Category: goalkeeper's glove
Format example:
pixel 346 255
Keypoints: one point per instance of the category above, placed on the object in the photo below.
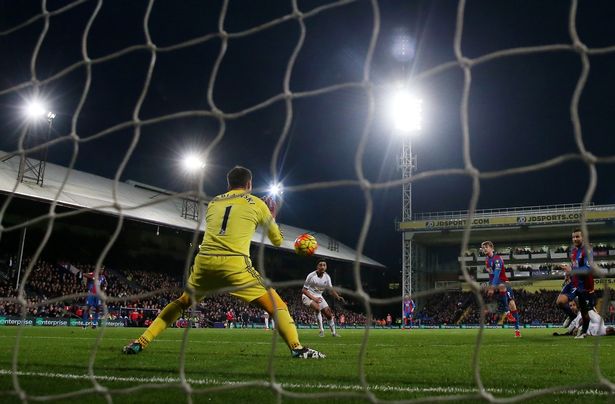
pixel 271 204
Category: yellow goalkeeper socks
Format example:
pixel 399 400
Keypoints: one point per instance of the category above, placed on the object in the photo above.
pixel 166 317
pixel 287 329
pixel 275 306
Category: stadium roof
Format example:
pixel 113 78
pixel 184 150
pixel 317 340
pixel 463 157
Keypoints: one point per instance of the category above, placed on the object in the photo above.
pixel 140 202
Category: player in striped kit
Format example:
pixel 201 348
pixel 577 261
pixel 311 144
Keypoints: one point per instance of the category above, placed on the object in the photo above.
pixel 498 280
pixel 579 282
pixel 92 300
pixel 408 309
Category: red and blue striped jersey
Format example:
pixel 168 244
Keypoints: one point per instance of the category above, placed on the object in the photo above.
pixel 582 259
pixel 496 269
pixel 409 306
pixel 91 284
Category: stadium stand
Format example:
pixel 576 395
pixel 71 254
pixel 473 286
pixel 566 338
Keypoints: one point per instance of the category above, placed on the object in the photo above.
pixel 54 280
pixel 461 308
pixel 50 281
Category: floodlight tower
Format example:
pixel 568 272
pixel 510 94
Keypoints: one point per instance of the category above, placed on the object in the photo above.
pixel 407 111
pixel 193 165
pixel 29 168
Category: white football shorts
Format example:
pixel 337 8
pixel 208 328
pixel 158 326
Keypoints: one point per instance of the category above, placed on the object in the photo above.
pixel 307 301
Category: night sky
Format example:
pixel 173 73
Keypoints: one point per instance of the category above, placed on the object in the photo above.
pixel 519 106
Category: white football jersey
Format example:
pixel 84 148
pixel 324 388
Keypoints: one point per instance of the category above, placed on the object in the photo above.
pixel 596 324
pixel 316 285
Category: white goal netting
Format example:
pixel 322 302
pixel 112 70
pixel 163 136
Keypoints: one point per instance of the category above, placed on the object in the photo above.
pixel 34 82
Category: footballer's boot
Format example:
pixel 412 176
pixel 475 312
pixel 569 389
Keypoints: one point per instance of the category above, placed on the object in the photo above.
pixel 335 335
pixel 307 353
pixel 321 333
pixel 517 334
pixel 581 335
pixel 133 348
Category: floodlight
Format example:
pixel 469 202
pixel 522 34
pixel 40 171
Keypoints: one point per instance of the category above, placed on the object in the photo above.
pixel 406 111
pixel 35 109
pixel 276 189
pixel 193 163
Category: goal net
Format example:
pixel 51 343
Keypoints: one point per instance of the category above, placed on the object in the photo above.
pixel 177 42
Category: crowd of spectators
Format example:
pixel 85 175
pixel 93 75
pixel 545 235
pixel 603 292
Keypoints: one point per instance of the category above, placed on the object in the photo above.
pixel 462 308
pixel 439 309
pixel 137 296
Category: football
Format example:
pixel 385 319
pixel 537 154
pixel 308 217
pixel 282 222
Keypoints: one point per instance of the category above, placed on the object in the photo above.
pixel 306 244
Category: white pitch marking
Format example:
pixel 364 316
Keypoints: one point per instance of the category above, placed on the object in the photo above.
pixel 326 386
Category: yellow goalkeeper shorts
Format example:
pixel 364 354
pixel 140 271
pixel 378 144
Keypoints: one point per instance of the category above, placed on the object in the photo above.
pixel 214 272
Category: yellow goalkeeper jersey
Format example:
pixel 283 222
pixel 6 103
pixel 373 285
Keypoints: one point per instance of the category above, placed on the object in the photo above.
pixel 231 220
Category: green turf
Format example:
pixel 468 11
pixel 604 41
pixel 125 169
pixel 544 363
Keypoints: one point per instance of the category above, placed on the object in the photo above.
pixel 398 365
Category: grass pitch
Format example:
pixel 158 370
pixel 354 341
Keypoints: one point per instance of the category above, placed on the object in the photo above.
pixel 234 366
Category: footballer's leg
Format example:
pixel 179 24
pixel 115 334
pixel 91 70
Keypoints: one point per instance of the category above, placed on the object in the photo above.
pixel 239 272
pixel 271 302
pixel 167 316
pixel 512 305
pixel 584 307
pixel 85 316
pixel 171 311
pixel 316 307
pixel 321 330
pixel 502 302
pixel 331 319
pixel 96 314
pixel 563 302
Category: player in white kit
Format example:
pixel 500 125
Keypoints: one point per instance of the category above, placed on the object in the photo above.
pixel 267 321
pixel 596 324
pixel 315 284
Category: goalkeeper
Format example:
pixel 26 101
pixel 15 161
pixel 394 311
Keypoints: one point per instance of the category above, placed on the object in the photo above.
pixel 223 261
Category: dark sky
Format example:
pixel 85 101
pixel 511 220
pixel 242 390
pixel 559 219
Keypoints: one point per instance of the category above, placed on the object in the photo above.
pixel 519 106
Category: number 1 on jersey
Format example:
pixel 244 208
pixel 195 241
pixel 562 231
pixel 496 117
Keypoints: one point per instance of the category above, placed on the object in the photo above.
pixel 227 213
